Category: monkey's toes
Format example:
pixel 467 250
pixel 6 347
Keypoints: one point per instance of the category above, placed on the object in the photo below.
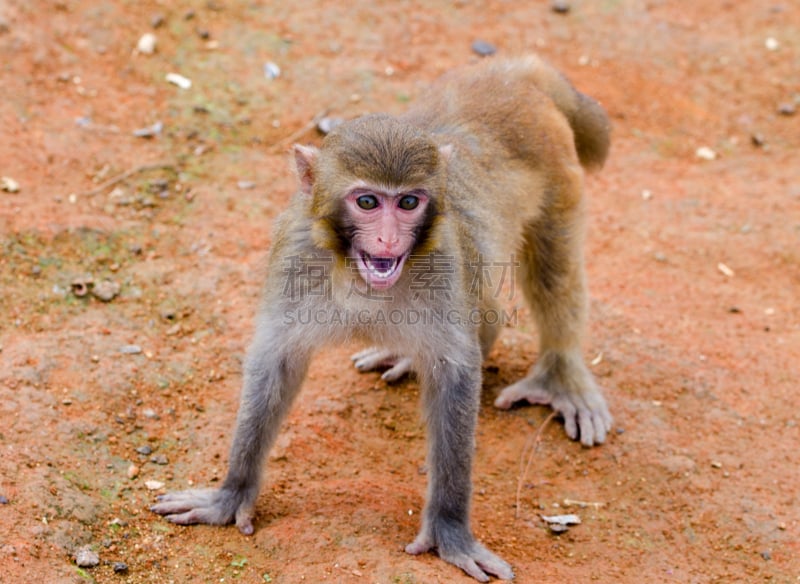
pixel 372 359
pixel 420 545
pixel 479 562
pixel 376 358
pixel 401 368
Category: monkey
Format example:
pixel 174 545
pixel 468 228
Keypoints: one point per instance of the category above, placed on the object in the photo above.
pixel 488 165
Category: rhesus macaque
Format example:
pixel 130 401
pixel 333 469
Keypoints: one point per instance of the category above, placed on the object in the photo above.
pixel 484 171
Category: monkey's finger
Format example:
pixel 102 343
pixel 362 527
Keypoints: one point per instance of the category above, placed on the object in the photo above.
pixel 374 359
pixel 192 517
pixel 467 564
pixel 182 501
pixel 361 354
pixel 421 544
pixel 492 564
pixel 571 427
pixel 244 519
pixel 587 428
pixel 522 390
pixel 401 368
pixel 369 353
pixel 601 427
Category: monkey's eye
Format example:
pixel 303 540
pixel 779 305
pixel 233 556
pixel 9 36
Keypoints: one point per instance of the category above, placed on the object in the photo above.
pixel 367 202
pixel 408 202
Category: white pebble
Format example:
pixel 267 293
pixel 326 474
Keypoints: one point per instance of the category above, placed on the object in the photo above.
pixel 179 80
pixel 153 485
pixel 147 44
pixel 772 44
pixel 9 185
pixel 86 558
pixel 725 270
pixel 271 70
pixel 706 153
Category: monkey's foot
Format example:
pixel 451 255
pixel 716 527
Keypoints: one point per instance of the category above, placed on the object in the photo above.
pixel 456 546
pixel 376 358
pixel 209 506
pixel 571 391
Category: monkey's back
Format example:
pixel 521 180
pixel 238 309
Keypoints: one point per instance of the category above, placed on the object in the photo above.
pixel 520 132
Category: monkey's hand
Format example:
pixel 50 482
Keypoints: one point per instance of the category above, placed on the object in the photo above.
pixel 568 387
pixel 376 358
pixel 210 506
pixel 455 545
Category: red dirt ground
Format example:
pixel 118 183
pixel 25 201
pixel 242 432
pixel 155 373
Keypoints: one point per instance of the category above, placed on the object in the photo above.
pixel 693 265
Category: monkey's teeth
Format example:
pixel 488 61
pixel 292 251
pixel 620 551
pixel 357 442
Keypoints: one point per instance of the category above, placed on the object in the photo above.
pixel 380 267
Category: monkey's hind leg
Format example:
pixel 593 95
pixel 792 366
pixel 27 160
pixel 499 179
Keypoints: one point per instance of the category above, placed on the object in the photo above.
pixel 377 358
pixel 553 280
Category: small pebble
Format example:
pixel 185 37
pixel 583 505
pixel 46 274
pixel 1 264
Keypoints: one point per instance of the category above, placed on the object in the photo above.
pixel 157 21
pixel 9 185
pixel 483 48
pixel 150 414
pixel 271 70
pixel 725 270
pixel 245 185
pixel 82 285
pixel 133 471
pixel 179 80
pixel 560 6
pixel 757 140
pixel 3 500
pixel 120 568
pixel 130 349
pixel 105 290
pixel 203 33
pixel 86 558
pixel 787 109
pixel 772 44
pixel 159 459
pixel 705 153
pixel 147 44
pixel 149 131
pixel 146 449
pixel 326 124
pixel 154 485
pixel 767 555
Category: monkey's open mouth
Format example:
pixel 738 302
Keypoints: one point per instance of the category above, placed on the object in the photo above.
pixel 380 272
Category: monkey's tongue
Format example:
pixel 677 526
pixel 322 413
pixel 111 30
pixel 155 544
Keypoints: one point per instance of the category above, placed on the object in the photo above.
pixel 380 272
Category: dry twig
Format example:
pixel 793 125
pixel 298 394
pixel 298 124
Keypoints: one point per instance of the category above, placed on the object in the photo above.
pixel 281 144
pixel 125 175
pixel 532 446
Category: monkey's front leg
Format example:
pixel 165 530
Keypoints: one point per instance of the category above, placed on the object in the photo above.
pixel 451 402
pixel 273 375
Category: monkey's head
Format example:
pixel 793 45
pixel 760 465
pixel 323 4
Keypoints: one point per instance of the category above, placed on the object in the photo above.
pixel 375 190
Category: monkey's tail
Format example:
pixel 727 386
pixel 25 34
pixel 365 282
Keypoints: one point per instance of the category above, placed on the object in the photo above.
pixel 589 121
pixel 592 130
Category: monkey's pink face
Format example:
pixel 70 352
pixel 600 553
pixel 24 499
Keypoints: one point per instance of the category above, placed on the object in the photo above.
pixel 385 229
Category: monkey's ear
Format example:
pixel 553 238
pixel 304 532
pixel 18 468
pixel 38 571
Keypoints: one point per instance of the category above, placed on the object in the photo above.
pixel 446 152
pixel 304 157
